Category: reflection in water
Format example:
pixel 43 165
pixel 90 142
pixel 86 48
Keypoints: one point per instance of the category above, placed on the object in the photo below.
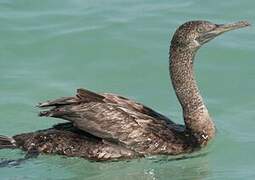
pixel 16 162
pixel 184 167
pixel 160 167
pixel 194 166
pixel 187 169
pixel 11 163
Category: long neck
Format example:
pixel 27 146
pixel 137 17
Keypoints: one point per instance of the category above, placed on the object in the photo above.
pixel 195 113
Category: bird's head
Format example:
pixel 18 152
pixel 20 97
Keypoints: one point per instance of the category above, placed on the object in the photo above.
pixel 194 34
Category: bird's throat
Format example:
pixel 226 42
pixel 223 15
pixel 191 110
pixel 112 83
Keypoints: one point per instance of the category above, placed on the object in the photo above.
pixel 195 113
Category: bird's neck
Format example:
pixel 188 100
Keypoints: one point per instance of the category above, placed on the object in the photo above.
pixel 197 119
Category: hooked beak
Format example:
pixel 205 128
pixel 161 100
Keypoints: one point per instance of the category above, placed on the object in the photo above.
pixel 221 28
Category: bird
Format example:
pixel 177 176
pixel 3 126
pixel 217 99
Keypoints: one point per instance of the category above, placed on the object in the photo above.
pixel 105 126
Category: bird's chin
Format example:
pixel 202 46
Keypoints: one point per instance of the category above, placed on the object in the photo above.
pixel 220 29
pixel 205 38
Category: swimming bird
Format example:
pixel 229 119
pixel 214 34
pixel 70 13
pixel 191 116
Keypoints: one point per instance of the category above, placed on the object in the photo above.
pixel 111 127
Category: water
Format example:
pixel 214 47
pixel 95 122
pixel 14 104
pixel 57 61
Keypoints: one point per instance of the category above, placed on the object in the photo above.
pixel 50 48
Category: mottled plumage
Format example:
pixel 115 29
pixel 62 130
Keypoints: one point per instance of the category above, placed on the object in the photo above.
pixel 108 127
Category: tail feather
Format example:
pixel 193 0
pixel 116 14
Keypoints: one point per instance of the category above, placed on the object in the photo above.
pixel 54 112
pixel 82 96
pixel 60 108
pixel 7 142
pixel 59 102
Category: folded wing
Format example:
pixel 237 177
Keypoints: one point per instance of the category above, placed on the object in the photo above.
pixel 112 118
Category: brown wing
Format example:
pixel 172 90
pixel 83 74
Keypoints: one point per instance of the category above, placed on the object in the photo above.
pixel 135 106
pixel 84 95
pixel 115 120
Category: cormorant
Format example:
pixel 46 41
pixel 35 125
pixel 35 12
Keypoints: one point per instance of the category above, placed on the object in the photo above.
pixel 109 127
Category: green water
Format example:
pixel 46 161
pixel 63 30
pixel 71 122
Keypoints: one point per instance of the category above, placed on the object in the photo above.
pixel 49 48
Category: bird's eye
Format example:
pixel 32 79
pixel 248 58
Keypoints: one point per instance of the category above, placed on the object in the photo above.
pixel 200 29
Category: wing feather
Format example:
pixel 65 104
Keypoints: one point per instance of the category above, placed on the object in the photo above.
pixel 114 118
